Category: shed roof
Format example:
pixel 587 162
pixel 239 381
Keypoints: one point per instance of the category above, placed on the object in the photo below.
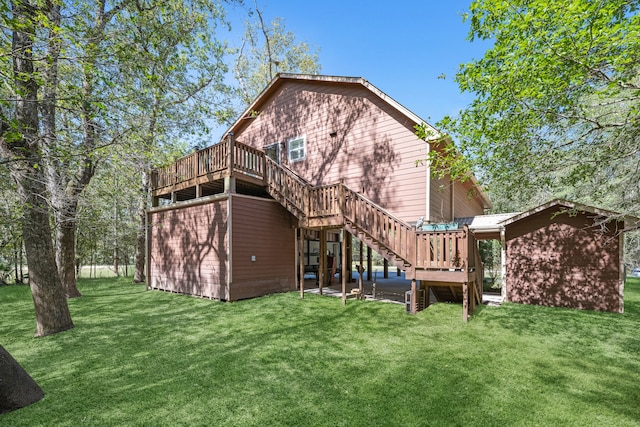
pixel 283 78
pixel 486 223
pixel 570 206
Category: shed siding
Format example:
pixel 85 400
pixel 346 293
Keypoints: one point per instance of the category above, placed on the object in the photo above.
pixel 188 250
pixel 264 229
pixel 564 262
pixel 374 148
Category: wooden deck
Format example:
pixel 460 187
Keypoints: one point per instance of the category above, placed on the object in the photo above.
pixel 446 262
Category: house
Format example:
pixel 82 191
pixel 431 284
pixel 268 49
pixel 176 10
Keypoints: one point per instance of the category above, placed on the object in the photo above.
pixel 565 254
pixel 312 159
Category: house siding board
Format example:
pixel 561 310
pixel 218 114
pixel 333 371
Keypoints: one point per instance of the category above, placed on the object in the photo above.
pixel 466 202
pixel 264 229
pixel 564 262
pixel 440 202
pixel 374 149
pixel 188 250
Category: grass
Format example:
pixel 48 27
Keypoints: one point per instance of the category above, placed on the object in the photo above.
pixel 153 358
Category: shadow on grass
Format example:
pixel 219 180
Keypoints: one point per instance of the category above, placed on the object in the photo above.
pixel 155 358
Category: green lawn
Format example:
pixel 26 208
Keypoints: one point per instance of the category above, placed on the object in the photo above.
pixel 153 358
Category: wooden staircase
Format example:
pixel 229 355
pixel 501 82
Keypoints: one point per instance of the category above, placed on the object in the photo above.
pixel 338 205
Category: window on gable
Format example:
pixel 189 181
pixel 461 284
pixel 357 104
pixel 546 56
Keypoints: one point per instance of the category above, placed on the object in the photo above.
pixel 297 149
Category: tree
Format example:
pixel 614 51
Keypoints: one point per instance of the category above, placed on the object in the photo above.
pixel 556 102
pixel 20 144
pixel 174 77
pixel 267 50
pixel 64 104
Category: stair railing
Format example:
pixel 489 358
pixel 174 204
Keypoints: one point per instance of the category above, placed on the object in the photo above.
pixel 287 188
pixel 382 227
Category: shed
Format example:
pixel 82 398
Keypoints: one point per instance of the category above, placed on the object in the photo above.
pixel 565 254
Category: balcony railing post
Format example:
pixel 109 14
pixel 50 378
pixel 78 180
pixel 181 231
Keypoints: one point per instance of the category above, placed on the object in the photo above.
pixel 343 201
pixel 230 153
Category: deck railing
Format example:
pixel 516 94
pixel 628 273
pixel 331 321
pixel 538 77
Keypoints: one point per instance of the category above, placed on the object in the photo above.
pixel 325 201
pixel 287 188
pixel 444 250
pixel 216 158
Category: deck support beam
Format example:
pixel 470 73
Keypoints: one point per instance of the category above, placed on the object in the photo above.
pixel 361 270
pixel 322 264
pixel 229 184
pixel 465 301
pixel 301 260
pixel 369 263
pixel 414 297
pixel 344 266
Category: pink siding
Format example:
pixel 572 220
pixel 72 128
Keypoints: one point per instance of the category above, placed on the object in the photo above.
pixel 466 200
pixel 188 250
pixel 563 262
pixel 264 229
pixel 374 148
pixel 440 203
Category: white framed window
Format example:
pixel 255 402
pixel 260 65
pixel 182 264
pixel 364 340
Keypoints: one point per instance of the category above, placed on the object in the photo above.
pixel 297 149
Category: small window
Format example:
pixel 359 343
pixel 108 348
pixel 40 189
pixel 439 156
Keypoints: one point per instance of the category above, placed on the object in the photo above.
pixel 297 149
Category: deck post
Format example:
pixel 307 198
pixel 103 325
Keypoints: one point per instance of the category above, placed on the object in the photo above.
pixel 427 296
pixel 230 153
pixel 472 297
pixel 349 257
pixel 465 301
pixel 414 297
pixel 369 263
pixel 344 266
pixel 301 260
pixel 361 270
pixel 385 269
pixel 322 264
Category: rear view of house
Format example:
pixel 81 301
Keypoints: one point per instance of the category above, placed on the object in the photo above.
pixel 313 158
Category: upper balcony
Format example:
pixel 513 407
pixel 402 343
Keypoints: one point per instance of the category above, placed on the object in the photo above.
pixel 202 172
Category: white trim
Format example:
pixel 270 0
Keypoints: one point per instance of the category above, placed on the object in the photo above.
pixel 428 210
pixel 304 148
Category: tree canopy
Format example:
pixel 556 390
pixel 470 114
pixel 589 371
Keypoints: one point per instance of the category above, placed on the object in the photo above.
pixel 556 103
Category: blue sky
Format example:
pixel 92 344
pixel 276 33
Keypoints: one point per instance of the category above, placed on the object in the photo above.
pixel 401 46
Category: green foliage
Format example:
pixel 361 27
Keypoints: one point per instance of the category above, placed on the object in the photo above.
pixel 556 108
pixel 154 358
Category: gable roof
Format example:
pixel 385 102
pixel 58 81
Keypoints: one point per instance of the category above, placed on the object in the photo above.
pixel 283 78
pixel 561 203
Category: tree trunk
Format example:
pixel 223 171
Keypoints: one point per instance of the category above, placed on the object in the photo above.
pixel 141 236
pixel 51 309
pixel 65 256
